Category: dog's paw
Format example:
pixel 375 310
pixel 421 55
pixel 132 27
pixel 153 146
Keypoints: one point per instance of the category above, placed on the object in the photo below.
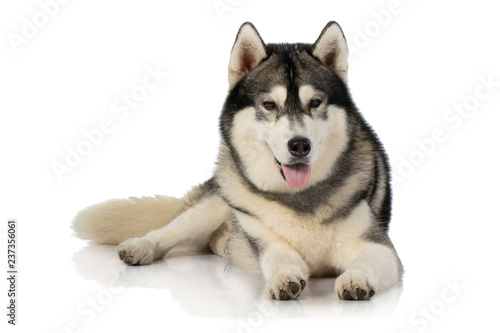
pixel 136 251
pixel 354 286
pixel 286 283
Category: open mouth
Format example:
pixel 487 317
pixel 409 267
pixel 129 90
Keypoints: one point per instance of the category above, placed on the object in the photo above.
pixel 296 175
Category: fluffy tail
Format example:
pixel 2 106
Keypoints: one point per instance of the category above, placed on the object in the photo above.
pixel 114 221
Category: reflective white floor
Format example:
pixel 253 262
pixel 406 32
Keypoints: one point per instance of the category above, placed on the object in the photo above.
pixel 67 285
pixel 209 289
pixel 206 285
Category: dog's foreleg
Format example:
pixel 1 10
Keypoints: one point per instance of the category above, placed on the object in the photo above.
pixel 376 268
pixel 365 254
pixel 283 268
pixel 194 225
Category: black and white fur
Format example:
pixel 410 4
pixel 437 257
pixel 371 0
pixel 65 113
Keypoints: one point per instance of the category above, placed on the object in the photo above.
pixel 288 105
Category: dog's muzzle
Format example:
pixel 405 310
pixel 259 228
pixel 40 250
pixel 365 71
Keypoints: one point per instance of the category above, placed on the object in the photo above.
pixel 298 172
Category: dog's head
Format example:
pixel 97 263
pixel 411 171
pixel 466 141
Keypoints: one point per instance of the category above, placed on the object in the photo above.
pixel 284 119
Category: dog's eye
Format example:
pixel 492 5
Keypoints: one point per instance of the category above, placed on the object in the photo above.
pixel 268 105
pixel 314 103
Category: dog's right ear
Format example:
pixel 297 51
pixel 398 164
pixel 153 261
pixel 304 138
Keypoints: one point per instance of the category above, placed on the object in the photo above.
pixel 248 51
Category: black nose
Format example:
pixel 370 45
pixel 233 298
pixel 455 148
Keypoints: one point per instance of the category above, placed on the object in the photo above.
pixel 299 147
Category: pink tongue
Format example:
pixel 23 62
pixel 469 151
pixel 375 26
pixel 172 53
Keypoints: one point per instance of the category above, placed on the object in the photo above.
pixel 296 175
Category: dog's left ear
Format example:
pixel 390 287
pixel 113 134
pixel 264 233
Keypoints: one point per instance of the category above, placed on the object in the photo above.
pixel 248 51
pixel 331 49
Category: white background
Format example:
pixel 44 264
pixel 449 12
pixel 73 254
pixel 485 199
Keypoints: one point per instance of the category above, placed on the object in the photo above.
pixel 409 71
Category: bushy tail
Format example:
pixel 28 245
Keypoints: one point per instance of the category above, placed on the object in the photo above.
pixel 114 221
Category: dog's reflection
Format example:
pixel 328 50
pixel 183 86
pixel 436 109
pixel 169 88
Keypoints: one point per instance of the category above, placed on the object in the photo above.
pixel 207 285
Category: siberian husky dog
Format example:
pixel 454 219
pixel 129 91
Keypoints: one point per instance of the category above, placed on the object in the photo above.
pixel 301 187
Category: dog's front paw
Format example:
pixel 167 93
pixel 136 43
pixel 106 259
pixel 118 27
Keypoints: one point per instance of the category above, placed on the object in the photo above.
pixel 286 283
pixel 136 251
pixel 354 286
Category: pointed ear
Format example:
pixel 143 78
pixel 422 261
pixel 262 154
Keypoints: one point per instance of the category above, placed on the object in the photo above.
pixel 331 49
pixel 248 51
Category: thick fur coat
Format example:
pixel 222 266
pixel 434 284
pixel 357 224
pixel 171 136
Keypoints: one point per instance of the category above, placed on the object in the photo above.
pixel 301 187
